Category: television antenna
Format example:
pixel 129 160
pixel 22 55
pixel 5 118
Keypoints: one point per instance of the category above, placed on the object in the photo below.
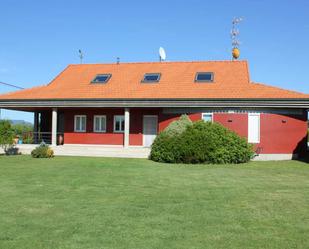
pixel 234 37
pixel 162 54
pixel 81 56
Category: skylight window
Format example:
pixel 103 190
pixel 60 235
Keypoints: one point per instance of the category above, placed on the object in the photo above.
pixel 204 77
pixel 151 77
pixel 101 78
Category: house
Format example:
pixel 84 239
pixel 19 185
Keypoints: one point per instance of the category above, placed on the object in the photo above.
pixel 129 103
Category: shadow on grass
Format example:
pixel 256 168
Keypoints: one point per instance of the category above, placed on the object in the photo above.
pixel 305 159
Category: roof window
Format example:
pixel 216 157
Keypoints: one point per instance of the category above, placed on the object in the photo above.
pixel 151 77
pixel 101 78
pixel 204 77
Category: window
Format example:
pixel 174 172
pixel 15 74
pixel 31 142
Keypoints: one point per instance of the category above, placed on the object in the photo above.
pixel 254 128
pixel 151 77
pixel 99 123
pixel 204 77
pixel 101 78
pixel 80 123
pixel 119 123
pixel 207 117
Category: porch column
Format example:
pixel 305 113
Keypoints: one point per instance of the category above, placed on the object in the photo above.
pixel 54 127
pixel 126 127
pixel 35 127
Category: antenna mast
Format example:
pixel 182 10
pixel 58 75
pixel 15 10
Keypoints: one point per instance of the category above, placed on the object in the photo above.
pixel 81 56
pixel 234 37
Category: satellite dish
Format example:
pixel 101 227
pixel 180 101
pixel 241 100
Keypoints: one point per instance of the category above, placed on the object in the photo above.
pixel 162 54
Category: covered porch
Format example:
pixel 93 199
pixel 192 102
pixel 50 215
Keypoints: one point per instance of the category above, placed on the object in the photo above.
pixel 121 127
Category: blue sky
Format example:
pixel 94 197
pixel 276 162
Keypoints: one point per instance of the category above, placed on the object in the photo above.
pixel 38 39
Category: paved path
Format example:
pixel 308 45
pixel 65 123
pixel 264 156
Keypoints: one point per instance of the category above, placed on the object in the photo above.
pixel 92 150
pixel 119 151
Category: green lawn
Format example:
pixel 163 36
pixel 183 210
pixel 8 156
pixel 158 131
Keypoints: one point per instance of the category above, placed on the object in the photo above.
pixel 71 202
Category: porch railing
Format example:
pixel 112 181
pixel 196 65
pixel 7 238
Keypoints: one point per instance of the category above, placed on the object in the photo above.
pixel 37 137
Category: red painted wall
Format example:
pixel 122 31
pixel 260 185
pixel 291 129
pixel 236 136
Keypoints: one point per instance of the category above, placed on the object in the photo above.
pixel 109 137
pixel 279 133
pixel 283 133
pixel 237 122
pixel 90 137
pixel 166 119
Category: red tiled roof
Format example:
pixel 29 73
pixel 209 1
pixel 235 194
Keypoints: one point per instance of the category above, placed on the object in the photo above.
pixel 231 81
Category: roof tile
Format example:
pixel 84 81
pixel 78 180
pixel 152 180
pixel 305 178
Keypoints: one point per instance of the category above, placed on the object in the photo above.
pixel 231 81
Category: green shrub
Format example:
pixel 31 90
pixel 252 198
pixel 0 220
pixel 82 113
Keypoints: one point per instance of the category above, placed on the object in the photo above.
pixel 6 135
pixel 27 138
pixel 23 131
pixel 42 151
pixel 178 126
pixel 21 128
pixel 164 148
pixel 202 142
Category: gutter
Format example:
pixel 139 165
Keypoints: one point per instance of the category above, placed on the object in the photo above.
pixel 220 103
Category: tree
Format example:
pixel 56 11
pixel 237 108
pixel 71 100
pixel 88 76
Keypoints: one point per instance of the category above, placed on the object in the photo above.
pixel 23 131
pixel 20 129
pixel 6 135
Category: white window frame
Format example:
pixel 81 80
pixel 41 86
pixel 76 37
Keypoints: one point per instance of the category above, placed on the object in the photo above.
pixel 208 113
pixel 94 123
pixel 259 130
pixel 122 128
pixel 80 116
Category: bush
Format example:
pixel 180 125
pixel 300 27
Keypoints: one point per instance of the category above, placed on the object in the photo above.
pixel 23 131
pixel 202 142
pixel 27 138
pixel 178 126
pixel 6 135
pixel 164 148
pixel 21 128
pixel 42 151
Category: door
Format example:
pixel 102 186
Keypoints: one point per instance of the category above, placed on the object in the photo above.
pixel 253 127
pixel 150 127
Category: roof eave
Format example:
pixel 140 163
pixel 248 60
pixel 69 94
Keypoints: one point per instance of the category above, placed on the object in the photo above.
pixel 82 103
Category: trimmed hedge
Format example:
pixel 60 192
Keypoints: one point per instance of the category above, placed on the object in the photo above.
pixel 202 142
pixel 42 151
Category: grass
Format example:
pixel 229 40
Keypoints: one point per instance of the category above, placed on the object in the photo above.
pixel 71 202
